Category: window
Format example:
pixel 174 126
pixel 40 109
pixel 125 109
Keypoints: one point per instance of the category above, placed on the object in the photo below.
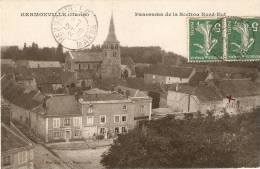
pixel 102 130
pixel 116 118
pixel 67 122
pixel 76 121
pixel 141 108
pixel 123 118
pixel 22 157
pixel 56 134
pixel 116 130
pixel 124 107
pixel 90 109
pixel 7 161
pixel 103 119
pixel 77 133
pixel 56 122
pixel 114 54
pixel 90 120
pixel 124 130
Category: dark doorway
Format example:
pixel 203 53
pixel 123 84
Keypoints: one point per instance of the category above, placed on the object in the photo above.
pixel 155 99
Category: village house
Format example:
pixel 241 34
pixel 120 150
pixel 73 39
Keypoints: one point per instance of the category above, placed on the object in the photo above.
pixel 186 98
pixel 49 80
pixel 163 74
pixel 137 86
pixel 224 72
pixel 110 113
pixel 94 114
pixel 38 64
pixel 230 96
pixel 25 77
pixel 17 151
pixel 240 95
pixel 21 100
pixel 8 62
pixel 58 118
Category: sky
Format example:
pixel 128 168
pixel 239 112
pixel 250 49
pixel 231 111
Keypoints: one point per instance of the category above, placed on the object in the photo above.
pixel 168 32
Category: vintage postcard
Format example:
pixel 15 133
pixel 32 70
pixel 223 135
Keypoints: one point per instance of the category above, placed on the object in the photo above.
pixel 130 84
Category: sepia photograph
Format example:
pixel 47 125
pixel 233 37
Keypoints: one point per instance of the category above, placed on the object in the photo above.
pixel 103 84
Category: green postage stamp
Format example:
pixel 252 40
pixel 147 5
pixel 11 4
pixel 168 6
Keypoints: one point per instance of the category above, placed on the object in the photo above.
pixel 205 39
pixel 224 39
pixel 243 39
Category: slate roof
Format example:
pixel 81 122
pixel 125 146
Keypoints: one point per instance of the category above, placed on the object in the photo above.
pixel 173 71
pixel 61 105
pixel 86 56
pixel 11 139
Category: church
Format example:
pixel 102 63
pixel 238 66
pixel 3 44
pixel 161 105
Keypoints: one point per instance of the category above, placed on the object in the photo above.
pixel 104 65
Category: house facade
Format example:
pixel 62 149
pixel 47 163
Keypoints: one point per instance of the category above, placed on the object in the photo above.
pixel 17 151
pixel 109 114
pixel 57 119
pixel 168 74
pixel 230 96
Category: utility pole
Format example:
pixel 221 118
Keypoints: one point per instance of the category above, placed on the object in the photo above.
pixel 189 103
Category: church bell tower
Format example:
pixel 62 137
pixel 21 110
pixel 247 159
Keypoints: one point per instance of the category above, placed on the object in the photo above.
pixel 111 65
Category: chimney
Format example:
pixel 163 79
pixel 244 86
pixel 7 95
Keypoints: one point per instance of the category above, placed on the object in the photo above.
pixel 177 87
pixel 44 104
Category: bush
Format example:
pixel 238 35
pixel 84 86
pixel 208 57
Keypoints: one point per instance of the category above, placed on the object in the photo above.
pixel 201 142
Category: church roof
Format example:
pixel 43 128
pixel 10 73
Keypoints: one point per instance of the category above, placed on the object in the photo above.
pixel 127 61
pixel 86 56
pixel 111 37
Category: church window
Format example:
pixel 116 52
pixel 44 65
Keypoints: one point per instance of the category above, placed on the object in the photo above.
pixel 114 54
pixel 112 46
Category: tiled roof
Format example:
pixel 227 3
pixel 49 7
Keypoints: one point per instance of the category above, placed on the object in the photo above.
pixel 86 56
pixel 138 83
pixel 45 64
pixel 103 97
pixel 59 105
pixel 11 139
pixel 238 88
pixel 220 89
pixel 226 69
pixel 197 78
pixel 164 70
pixel 18 95
pixel 127 61
pixel 47 75
pixel 207 93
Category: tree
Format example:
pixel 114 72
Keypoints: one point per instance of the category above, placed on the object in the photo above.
pixel 201 142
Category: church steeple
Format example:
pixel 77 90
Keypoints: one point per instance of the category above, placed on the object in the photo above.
pixel 111 37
